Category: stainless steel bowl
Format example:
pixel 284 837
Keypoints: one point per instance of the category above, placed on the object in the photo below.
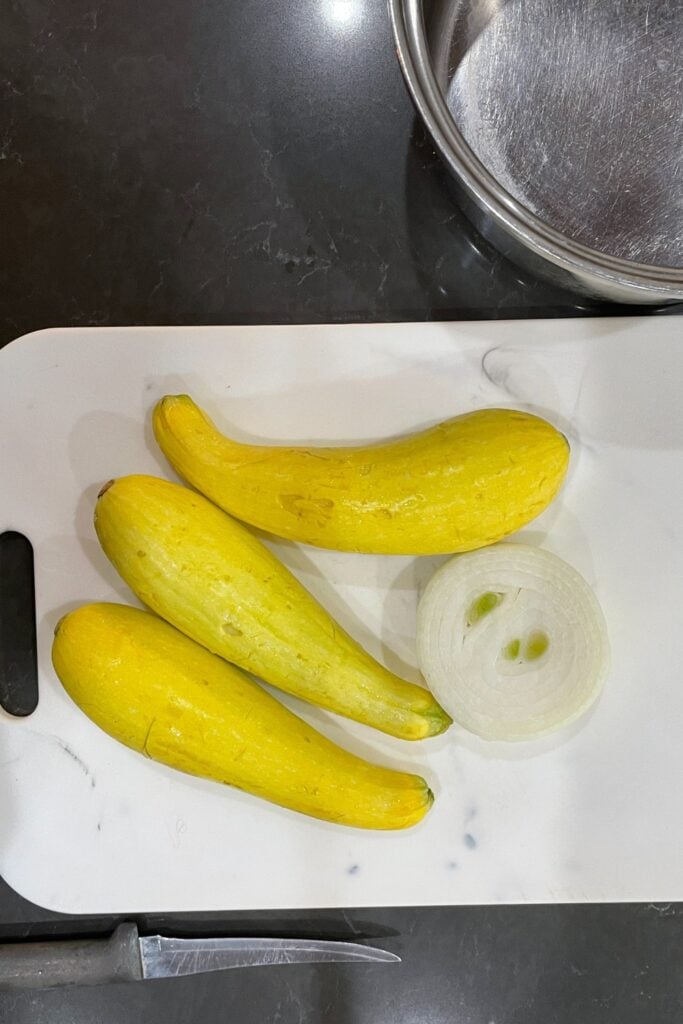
pixel 562 121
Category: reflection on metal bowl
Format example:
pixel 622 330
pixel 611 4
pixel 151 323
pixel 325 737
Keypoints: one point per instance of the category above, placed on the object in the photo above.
pixel 563 125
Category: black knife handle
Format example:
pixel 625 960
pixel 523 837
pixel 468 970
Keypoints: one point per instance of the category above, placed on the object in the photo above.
pixel 72 962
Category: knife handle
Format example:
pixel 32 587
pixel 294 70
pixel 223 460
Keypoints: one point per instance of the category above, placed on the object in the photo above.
pixel 72 962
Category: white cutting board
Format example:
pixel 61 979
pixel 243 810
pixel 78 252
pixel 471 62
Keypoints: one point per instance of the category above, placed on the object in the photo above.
pixel 89 826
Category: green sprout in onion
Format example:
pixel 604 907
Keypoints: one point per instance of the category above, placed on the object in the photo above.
pixel 511 650
pixel 536 646
pixel 483 606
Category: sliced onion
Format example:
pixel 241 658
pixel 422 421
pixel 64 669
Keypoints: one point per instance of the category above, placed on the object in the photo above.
pixel 512 641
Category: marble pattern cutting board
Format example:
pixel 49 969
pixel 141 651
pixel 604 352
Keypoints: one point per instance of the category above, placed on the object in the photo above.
pixel 89 826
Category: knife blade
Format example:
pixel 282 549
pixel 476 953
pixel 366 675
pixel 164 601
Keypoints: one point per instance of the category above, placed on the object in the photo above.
pixel 126 956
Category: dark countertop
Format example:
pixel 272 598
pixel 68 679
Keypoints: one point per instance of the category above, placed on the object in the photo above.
pixel 219 162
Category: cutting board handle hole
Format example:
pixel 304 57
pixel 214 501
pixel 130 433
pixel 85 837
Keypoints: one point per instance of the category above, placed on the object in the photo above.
pixel 18 646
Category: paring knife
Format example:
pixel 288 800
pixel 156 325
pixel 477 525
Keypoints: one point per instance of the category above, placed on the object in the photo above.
pixel 126 956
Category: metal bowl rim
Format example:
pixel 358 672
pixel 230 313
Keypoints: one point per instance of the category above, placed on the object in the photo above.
pixel 414 58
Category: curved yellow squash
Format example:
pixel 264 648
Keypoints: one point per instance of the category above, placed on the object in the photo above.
pixel 160 693
pixel 211 578
pixel 460 485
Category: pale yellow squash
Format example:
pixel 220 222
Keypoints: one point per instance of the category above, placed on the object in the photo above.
pixel 161 694
pixel 461 485
pixel 213 579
